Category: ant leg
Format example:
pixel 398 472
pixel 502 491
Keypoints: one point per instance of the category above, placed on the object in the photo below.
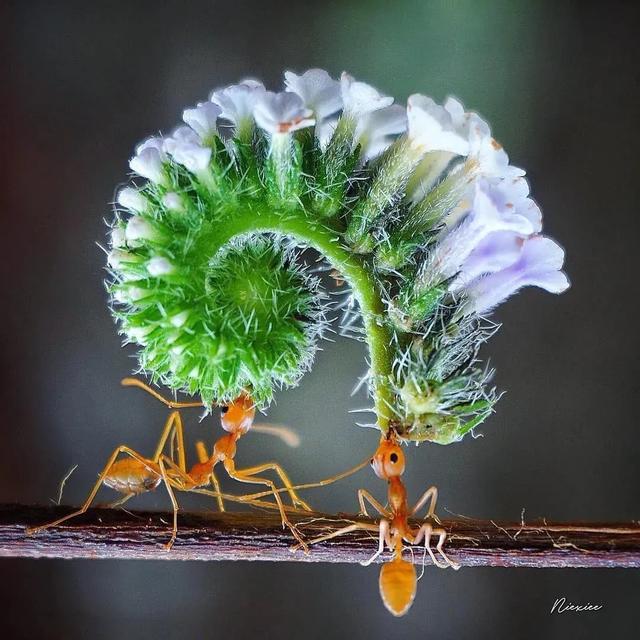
pixel 243 476
pixel 363 495
pixel 442 536
pixel 430 494
pixel 94 490
pixel 173 426
pixel 384 538
pixel 134 382
pixel 241 499
pixel 356 526
pixel 319 483
pixel 203 456
pixel 174 504
pixel 120 501
pixel 295 500
pixel 425 531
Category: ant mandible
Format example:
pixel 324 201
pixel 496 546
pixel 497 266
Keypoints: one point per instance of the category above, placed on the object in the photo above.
pixel 398 581
pixel 136 474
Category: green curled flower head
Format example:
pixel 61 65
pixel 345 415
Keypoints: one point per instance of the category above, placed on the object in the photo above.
pixel 417 209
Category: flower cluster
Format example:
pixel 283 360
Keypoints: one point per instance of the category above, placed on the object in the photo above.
pixel 418 208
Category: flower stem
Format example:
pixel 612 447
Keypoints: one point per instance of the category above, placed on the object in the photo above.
pixel 353 268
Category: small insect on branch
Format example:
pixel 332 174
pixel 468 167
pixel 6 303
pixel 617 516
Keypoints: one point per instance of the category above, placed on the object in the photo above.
pixel 108 533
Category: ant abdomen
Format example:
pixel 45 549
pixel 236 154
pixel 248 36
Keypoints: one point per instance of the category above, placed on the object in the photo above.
pixel 398 584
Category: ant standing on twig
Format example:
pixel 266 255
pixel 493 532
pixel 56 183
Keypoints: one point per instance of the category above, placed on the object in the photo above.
pixel 398 581
pixel 136 474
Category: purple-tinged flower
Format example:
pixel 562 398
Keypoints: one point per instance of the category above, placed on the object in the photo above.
pixel 497 251
pixel 318 90
pixel 281 113
pixel 488 214
pixel 539 265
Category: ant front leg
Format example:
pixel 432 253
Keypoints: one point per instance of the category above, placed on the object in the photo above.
pixel 356 526
pixel 94 490
pixel 246 475
pixel 426 531
pixel 363 495
pixel 288 485
pixel 430 494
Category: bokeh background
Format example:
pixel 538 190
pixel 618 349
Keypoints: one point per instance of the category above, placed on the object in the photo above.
pixel 83 82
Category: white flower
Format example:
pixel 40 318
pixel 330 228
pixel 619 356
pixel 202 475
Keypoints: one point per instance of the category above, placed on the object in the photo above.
pixel 178 319
pixel 148 163
pixel 117 258
pixel 488 215
pixel 173 202
pixel 186 149
pixel 325 130
pixel 539 265
pixel 375 131
pixel 131 199
pixel 431 127
pixel 155 142
pixel 118 238
pixel 360 98
pixel 159 266
pixel 318 90
pixel 282 113
pixel 203 119
pixel 139 229
pixel 238 101
pixel 492 160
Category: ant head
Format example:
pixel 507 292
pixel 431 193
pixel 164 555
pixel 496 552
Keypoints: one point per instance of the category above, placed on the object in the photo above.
pixel 238 416
pixel 388 460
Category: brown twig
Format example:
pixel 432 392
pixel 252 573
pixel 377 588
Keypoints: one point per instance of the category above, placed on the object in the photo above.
pixel 109 533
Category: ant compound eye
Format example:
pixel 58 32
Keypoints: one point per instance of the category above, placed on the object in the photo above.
pixel 371 462
pixel 394 457
pixel 224 410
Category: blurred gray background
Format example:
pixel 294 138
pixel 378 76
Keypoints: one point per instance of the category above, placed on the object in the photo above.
pixel 559 83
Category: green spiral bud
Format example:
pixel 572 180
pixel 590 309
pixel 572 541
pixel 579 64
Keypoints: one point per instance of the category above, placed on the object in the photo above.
pixel 418 210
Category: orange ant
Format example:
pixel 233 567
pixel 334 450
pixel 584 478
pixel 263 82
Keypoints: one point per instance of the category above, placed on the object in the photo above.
pixel 136 474
pixel 398 579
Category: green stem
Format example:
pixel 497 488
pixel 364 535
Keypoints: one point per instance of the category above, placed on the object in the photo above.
pixel 354 269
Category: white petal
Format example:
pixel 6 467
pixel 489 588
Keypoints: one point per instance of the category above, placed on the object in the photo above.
pixel 360 98
pixel 282 112
pixel 139 228
pixel 318 90
pixel 148 164
pixel 159 267
pixel 431 127
pixel 238 101
pixel 118 237
pixel 117 258
pixel 375 131
pixel 173 202
pixel 203 119
pixel 132 199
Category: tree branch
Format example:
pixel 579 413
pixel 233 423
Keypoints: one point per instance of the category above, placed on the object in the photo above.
pixel 110 533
